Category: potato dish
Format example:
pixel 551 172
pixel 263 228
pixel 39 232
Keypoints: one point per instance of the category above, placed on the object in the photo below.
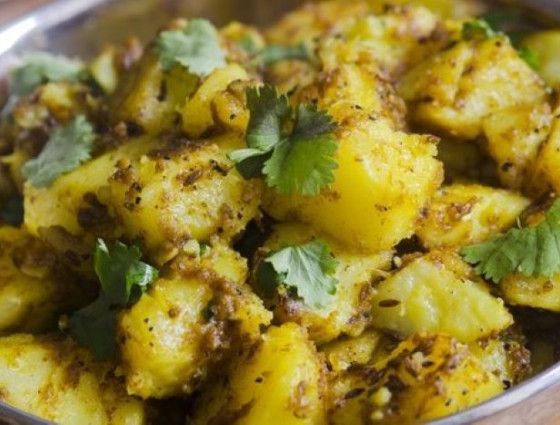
pixel 348 217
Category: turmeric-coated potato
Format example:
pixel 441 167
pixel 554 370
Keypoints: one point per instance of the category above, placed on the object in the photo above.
pixel 462 215
pixel 439 293
pixel 188 323
pixel 163 192
pixel 280 380
pixel 349 310
pixel 51 377
pixel 426 376
pixel 514 137
pixel 395 172
pixel 35 289
pixel 453 91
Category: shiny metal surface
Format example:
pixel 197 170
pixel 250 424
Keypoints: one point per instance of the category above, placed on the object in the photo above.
pixel 73 26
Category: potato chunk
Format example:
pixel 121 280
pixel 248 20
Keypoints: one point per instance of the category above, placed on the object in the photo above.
pixel 536 292
pixel 356 273
pixel 439 293
pixel 453 91
pixel 514 137
pixel 35 289
pixel 546 171
pixel 467 214
pixel 163 192
pixel 197 112
pixel 187 323
pixel 53 378
pixel 278 381
pixel 382 181
pixel 147 98
pixel 425 377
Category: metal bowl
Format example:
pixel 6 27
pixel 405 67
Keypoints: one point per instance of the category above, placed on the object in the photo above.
pixel 81 27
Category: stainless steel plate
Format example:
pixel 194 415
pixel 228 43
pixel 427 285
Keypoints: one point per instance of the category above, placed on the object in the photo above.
pixel 81 27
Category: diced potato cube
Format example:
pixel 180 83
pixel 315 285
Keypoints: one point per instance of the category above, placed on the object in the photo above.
pixel 467 214
pixel 505 356
pixel 546 171
pixel 149 98
pixel 514 137
pixel 351 351
pixel 197 112
pixel 536 292
pixel 189 321
pixel 384 178
pixel 53 378
pixel 349 312
pixel 545 44
pixel 439 293
pixel 454 9
pixel 278 381
pixel 35 289
pixel 427 377
pixel 163 192
pixel 314 20
pixel 453 91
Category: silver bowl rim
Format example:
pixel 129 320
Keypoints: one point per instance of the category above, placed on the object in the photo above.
pixel 48 17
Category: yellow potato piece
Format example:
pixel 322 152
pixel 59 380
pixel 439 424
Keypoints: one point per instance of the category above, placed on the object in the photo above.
pixel 382 181
pixel 467 214
pixel 278 381
pixel 162 192
pixel 348 314
pixel 439 293
pixel 426 376
pixel 174 337
pixel 454 90
pixel 51 377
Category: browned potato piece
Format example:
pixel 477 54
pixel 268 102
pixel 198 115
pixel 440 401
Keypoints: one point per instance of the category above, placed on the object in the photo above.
pixel 280 380
pixel 162 191
pixel 349 312
pixel 462 215
pixel 453 91
pixel 425 377
pixel 188 323
pixel 546 171
pixel 514 137
pixel 50 376
pixel 35 288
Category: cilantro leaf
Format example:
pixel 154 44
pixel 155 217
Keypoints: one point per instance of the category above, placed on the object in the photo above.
pixel 305 162
pixel 123 279
pixel 120 271
pixel 308 269
pixel 95 327
pixel 42 67
pixel 478 29
pixel 197 48
pixel 530 56
pixel 532 251
pixel 292 148
pixel 12 211
pixel 67 148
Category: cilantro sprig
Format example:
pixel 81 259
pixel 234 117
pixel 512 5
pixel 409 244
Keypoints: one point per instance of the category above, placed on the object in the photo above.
pixel 39 68
pixel 67 148
pixel 531 251
pixel 197 47
pixel 308 269
pixel 293 148
pixel 124 278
